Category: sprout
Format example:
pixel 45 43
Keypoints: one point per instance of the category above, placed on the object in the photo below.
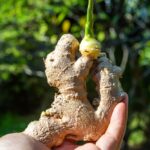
pixel 89 46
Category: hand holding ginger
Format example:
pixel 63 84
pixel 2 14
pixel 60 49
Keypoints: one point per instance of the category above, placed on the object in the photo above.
pixel 71 115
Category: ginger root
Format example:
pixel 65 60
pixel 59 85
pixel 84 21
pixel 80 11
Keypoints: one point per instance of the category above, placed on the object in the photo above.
pixel 71 116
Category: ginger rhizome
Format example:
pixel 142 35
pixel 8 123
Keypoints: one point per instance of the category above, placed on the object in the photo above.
pixel 71 115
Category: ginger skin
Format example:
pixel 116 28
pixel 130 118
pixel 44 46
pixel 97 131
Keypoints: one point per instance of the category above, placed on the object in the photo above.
pixel 71 115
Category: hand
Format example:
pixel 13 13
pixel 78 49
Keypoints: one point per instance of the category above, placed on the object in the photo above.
pixel 111 140
pixel 113 136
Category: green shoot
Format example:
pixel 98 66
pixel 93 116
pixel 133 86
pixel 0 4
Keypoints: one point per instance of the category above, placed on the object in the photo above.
pixel 89 46
pixel 89 20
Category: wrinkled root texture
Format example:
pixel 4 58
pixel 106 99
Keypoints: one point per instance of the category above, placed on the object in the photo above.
pixel 71 116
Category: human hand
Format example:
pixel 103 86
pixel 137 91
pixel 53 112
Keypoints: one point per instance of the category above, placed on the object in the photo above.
pixel 113 136
pixel 20 141
pixel 111 140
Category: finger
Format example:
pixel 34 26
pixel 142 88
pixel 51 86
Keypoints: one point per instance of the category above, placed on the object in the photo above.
pixel 67 145
pixel 88 146
pixel 116 129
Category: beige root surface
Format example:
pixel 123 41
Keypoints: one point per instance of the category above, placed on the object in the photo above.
pixel 71 116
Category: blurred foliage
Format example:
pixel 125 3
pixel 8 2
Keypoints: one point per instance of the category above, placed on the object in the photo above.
pixel 29 30
pixel 10 122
